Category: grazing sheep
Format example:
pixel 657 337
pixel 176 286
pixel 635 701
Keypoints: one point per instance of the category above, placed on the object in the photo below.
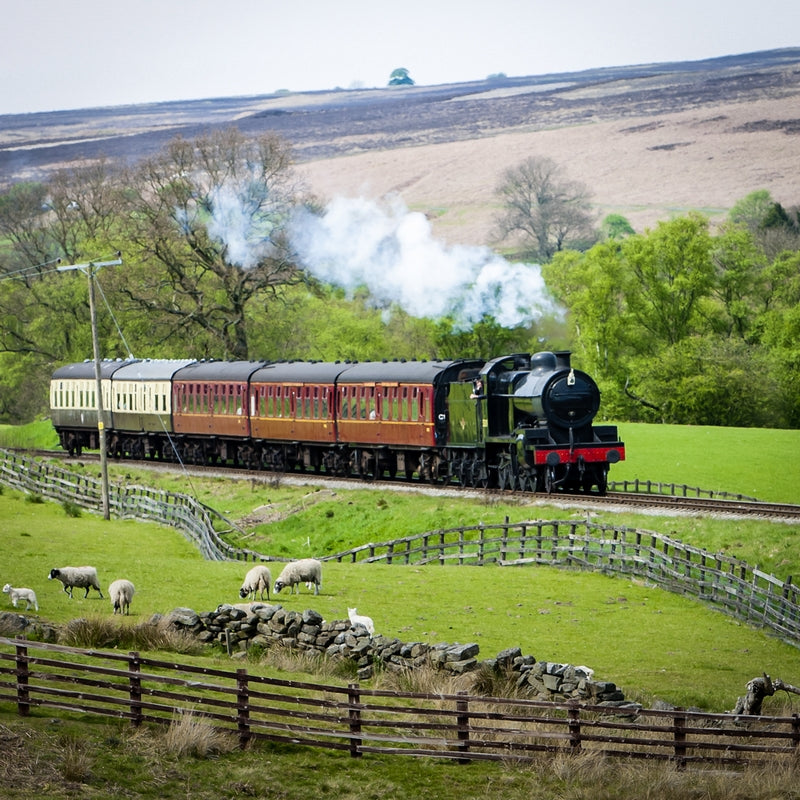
pixel 28 595
pixel 121 593
pixel 306 570
pixel 77 577
pixel 360 619
pixel 257 580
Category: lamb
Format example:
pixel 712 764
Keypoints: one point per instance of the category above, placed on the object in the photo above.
pixel 360 619
pixel 28 595
pixel 80 577
pixel 121 593
pixel 257 580
pixel 306 570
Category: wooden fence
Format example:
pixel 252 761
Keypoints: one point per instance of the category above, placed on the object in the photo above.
pixel 640 486
pixel 463 727
pixel 724 582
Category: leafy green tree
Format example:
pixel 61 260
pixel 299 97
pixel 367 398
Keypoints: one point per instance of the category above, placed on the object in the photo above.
pixel 543 211
pixel 739 264
pixel 592 286
pixel 705 380
pixel 615 226
pixel 671 275
pixel 400 77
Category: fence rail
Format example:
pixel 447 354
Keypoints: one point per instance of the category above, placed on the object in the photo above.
pixel 463 727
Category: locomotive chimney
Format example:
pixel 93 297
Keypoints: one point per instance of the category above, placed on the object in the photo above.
pixel 562 359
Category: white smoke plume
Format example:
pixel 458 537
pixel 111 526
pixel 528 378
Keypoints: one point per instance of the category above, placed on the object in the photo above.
pixel 393 253
pixel 241 220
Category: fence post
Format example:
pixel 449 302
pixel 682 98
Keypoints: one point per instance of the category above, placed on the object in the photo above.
pixel 354 715
pixel 243 707
pixel 574 726
pixel 135 688
pixel 679 733
pixel 462 723
pixel 23 698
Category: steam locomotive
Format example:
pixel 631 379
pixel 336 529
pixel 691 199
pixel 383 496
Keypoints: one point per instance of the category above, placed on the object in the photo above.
pixel 521 421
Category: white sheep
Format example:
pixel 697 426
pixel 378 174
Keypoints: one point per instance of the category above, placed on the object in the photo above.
pixel 121 593
pixel 80 577
pixel 306 570
pixel 257 580
pixel 360 619
pixel 28 595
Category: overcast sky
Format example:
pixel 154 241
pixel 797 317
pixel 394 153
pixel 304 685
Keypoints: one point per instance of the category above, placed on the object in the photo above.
pixel 69 54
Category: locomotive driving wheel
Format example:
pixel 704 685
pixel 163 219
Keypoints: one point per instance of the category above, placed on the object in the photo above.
pixel 549 479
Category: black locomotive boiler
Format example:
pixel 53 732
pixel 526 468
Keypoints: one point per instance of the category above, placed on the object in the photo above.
pixel 520 421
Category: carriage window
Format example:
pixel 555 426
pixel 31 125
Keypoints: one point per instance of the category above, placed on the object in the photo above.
pixel 344 413
pixel 287 403
pixel 414 403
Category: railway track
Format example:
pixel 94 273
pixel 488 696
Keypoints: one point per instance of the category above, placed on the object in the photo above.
pixel 627 501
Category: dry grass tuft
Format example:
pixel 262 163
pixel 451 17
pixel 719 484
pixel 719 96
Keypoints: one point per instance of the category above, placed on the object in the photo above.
pixel 155 634
pixel 189 734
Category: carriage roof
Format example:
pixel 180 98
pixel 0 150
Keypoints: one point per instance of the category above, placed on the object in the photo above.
pixel 82 370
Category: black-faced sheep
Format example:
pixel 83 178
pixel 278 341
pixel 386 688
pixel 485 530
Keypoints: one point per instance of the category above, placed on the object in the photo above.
pixel 360 619
pixel 28 595
pixel 121 593
pixel 77 577
pixel 257 580
pixel 295 572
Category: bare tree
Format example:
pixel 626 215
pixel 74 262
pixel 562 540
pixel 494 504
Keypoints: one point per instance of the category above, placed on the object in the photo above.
pixel 209 221
pixel 544 211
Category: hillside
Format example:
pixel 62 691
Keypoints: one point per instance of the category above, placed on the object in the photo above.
pixel 649 140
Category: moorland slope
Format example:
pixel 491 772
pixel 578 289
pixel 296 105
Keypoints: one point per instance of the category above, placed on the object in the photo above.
pixel 648 140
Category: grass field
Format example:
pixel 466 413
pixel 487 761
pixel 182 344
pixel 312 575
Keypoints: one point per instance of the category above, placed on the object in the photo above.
pixel 653 644
pixel 631 633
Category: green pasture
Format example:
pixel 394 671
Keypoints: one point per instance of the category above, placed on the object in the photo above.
pixel 653 644
pixel 757 462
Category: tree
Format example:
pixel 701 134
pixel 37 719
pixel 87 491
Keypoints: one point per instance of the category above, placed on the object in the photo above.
pixel 543 211
pixel 671 274
pixel 209 223
pixel 400 77
pixel 615 226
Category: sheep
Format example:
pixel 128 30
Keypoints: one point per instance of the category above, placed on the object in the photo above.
pixel 28 595
pixel 360 619
pixel 306 570
pixel 121 593
pixel 257 580
pixel 80 577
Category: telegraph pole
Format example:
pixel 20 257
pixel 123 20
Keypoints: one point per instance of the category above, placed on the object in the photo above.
pixel 89 269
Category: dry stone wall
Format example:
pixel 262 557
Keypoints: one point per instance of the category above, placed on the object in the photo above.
pixel 242 626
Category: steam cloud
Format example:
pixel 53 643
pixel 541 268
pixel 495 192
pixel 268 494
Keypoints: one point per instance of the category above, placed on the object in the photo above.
pixel 389 250
pixel 237 222
pixel 392 252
